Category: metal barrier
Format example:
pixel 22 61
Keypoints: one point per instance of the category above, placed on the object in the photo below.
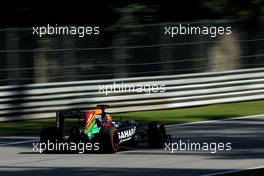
pixel 42 100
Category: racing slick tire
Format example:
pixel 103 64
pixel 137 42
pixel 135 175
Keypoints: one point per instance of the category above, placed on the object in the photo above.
pixel 156 134
pixel 49 134
pixel 109 139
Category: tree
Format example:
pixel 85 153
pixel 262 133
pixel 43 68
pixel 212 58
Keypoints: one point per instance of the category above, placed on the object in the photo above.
pixel 128 16
pixel 242 10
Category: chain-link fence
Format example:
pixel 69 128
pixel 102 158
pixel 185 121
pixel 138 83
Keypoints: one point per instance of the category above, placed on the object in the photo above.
pixel 141 50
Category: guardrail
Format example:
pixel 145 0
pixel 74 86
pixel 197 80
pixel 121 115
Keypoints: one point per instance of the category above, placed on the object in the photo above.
pixel 42 100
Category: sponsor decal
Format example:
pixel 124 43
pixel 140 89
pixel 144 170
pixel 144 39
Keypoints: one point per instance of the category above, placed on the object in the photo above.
pixel 89 120
pixel 126 134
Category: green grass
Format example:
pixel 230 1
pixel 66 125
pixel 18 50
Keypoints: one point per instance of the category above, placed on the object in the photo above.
pixel 212 112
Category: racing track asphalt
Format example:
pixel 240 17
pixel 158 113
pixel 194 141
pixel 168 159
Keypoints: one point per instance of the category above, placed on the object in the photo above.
pixel 246 135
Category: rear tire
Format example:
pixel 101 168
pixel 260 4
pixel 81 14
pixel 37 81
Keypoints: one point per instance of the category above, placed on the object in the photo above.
pixel 109 141
pixel 49 134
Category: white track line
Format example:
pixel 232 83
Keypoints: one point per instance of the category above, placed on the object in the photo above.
pixel 18 142
pixel 233 171
pixel 17 137
pixel 212 121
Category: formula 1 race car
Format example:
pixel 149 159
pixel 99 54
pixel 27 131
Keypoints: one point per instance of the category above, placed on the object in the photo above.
pixel 96 126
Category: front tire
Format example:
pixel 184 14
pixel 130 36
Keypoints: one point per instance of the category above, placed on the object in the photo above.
pixel 156 134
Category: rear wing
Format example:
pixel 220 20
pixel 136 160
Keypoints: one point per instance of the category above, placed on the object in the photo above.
pixel 70 114
pixel 76 113
pixel 61 115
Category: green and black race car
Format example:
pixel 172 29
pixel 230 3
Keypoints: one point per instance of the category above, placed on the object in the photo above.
pixel 96 127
